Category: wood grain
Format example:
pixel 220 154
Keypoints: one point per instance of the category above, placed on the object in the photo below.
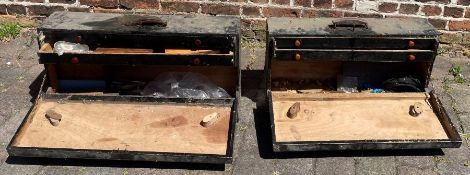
pixel 350 117
pixel 127 126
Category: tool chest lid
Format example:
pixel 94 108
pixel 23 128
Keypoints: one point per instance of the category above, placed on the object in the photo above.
pixel 144 24
pixel 382 27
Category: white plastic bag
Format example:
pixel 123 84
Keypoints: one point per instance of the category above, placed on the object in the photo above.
pixel 183 85
pixel 60 47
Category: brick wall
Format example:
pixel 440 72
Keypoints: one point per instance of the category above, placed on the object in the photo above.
pixel 446 15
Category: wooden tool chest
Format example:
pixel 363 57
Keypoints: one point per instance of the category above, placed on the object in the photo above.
pixel 354 84
pixel 93 104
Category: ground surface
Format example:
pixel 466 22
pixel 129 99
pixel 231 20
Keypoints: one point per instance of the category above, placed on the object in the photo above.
pixel 20 76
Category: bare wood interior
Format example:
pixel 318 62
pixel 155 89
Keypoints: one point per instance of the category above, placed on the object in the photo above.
pixel 127 126
pixel 48 48
pixel 356 116
pixel 222 76
pixel 328 71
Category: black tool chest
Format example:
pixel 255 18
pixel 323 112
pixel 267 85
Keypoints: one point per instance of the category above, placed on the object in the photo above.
pixel 354 84
pixel 93 105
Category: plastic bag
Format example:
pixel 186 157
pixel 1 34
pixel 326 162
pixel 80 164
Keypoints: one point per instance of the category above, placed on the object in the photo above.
pixel 60 47
pixel 183 85
pixel 347 84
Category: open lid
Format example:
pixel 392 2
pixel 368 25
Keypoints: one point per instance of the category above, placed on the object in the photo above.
pixel 387 27
pixel 148 24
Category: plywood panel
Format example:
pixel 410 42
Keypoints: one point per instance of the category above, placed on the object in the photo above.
pixel 132 127
pixel 336 117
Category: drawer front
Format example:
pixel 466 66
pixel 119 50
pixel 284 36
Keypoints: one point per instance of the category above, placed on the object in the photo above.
pixel 138 59
pixel 354 43
pixel 355 55
pixel 157 42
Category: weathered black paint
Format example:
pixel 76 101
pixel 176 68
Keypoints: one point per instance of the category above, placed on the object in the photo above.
pixel 150 31
pixel 383 40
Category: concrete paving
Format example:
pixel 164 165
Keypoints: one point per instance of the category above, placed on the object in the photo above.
pixel 20 76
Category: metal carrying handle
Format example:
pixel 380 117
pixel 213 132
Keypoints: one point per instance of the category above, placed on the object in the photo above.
pixel 349 23
pixel 138 20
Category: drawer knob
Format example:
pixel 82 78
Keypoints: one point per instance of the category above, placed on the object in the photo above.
pixel 74 60
pixel 196 61
pixel 297 43
pixel 297 56
pixel 411 57
pixel 197 42
pixel 411 43
pixel 78 39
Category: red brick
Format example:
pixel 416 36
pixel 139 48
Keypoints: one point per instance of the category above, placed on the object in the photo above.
pixel 408 8
pixel 280 12
pixel 139 4
pixel 78 9
pixel 3 9
pixel 41 10
pixel 455 12
pixel 388 7
pixel 362 15
pixel 303 3
pixel 16 9
pixel 459 25
pixel 63 1
pixel 100 3
pixel 250 10
pixel 220 9
pixel 259 1
pixel 344 4
pixel 326 4
pixel 467 14
pixel 431 10
pixel 282 2
pixel 438 1
pixel 463 2
pixel 322 13
pixel 37 1
pixel 438 23
pixel 105 10
pixel 180 6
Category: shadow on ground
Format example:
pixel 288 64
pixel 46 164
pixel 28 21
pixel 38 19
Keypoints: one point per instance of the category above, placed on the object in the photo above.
pixel 113 163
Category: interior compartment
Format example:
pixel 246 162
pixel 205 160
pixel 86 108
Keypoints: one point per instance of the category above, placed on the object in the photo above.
pixel 326 114
pixel 150 127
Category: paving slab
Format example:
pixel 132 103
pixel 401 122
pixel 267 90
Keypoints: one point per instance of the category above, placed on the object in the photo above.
pixel 376 165
pixel 252 147
pixel 335 165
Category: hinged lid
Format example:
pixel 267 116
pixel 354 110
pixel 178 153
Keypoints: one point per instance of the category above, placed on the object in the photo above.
pixel 360 27
pixel 148 24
